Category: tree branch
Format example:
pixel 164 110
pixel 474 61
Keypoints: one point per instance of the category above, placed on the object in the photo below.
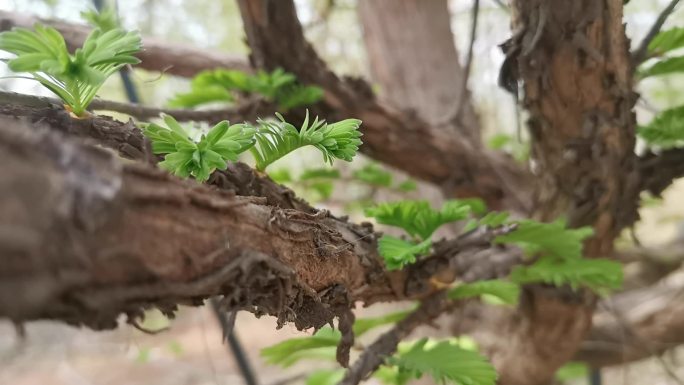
pixel 639 55
pixel 393 137
pixel 658 171
pixel 176 59
pixel 637 324
pixel 376 353
pixel 249 111
pixel 132 240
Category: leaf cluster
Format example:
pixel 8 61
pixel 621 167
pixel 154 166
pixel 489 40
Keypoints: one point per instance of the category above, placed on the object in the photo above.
pixel 444 361
pixel 275 139
pixel 223 86
pixel 322 344
pixel 105 19
pixel 666 130
pixel 559 257
pixel 185 157
pixel 419 220
pixel 267 142
pixel 76 77
pixel 661 48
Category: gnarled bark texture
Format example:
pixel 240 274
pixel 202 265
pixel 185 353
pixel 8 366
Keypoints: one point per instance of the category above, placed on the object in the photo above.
pixel 85 237
pixel 573 60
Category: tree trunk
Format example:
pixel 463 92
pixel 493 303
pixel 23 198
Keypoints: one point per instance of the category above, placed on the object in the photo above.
pixel 413 59
pixel 573 60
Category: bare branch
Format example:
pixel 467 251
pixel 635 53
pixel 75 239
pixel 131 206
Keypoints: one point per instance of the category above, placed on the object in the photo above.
pixel 175 59
pixel 637 324
pixel 453 116
pixel 639 56
pixel 376 353
pixel 249 111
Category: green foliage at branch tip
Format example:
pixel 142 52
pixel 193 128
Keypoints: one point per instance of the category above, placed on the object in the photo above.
pixel 322 345
pixel 495 290
pixel 222 86
pixel 660 47
pixel 666 41
pixel 185 157
pixel 105 19
pixel 548 238
pixel 418 218
pixel 76 77
pixel 398 253
pixel 445 362
pixel 666 130
pixel 274 140
pixel 598 275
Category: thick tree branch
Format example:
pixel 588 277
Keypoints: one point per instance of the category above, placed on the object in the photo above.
pixel 647 266
pixel 132 241
pixel 396 138
pixel 176 59
pixel 637 324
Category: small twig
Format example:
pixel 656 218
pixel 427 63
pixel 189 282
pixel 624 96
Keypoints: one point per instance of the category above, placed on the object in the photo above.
pixel 245 112
pixel 454 114
pixel 376 353
pixel 640 55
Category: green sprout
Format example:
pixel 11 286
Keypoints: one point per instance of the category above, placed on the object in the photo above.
pixel 75 78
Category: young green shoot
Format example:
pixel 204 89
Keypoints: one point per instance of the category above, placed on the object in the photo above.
pixel 75 78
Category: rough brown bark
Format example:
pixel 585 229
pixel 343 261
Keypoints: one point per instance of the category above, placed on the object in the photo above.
pixel 413 59
pixel 574 62
pixel 396 138
pixel 111 238
pixel 176 59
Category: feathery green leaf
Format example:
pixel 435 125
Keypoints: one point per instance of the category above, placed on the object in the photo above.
pixel 185 157
pixel 665 130
pixel 667 40
pixel 398 253
pixel 551 238
pixel 274 140
pixel 505 291
pixel 76 78
pixel 417 217
pixel 598 275
pixel 445 362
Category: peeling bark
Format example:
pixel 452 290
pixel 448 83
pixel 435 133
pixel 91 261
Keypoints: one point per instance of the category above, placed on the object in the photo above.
pixel 176 59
